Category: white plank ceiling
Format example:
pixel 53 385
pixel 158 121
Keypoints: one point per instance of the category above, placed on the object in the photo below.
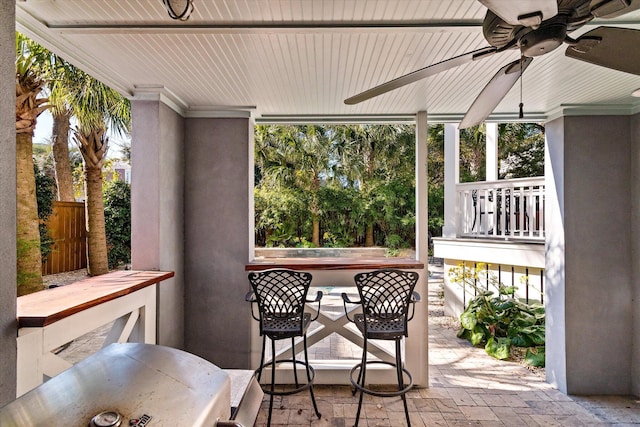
pixel 301 58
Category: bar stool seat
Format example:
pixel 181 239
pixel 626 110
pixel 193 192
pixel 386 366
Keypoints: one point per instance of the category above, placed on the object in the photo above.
pixel 385 296
pixel 281 295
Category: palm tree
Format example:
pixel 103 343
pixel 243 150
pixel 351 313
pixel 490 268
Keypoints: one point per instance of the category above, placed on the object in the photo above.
pixel 60 142
pixel 294 157
pixel 473 154
pixel 28 108
pixel 96 108
pixel 368 154
pixel 61 78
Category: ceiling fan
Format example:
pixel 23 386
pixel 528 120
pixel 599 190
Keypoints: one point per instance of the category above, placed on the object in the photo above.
pixel 536 27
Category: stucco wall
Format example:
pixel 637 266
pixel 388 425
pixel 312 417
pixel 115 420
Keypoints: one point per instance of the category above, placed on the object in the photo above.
pixel 591 288
pixel 7 204
pixel 157 188
pixel 217 232
pixel 635 251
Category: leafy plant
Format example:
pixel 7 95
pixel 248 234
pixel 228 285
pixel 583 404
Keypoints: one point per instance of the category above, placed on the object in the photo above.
pixel 45 195
pixel 498 319
pixel 117 218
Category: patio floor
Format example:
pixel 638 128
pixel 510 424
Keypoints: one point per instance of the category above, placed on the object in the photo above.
pixel 467 388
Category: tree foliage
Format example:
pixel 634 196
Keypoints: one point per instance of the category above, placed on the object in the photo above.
pixel 96 108
pixel 45 195
pixel 335 186
pixel 117 217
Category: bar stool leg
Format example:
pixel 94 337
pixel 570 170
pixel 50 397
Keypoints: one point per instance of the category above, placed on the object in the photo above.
pixel 273 379
pixel 306 365
pixel 264 343
pixel 401 380
pixel 295 366
pixel 363 360
pixel 362 376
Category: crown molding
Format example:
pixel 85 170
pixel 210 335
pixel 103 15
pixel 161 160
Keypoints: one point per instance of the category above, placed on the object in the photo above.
pixel 594 110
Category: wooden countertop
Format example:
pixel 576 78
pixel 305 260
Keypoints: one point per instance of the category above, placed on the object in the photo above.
pixel 45 307
pixel 334 263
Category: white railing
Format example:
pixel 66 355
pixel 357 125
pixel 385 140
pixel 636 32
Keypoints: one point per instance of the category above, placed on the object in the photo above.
pixel 504 209
pixel 51 318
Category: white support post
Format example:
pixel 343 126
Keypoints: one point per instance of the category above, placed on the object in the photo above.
pixel 417 345
pixel 451 178
pixel 492 151
pixel 137 314
pixel 30 361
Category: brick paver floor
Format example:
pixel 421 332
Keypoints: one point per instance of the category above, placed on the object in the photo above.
pixel 467 388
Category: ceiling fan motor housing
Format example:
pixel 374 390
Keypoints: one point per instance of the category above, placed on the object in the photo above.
pixel 543 40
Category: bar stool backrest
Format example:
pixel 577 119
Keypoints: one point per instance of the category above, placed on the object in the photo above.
pixel 281 295
pixel 386 295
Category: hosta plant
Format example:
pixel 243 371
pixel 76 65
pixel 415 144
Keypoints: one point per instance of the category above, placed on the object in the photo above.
pixel 496 319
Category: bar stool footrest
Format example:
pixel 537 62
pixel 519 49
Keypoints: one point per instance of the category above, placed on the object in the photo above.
pixel 266 387
pixel 380 393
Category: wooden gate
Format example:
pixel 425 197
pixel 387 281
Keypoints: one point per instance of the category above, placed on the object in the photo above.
pixel 67 229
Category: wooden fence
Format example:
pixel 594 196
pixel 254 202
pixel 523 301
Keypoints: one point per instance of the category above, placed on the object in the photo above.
pixel 67 229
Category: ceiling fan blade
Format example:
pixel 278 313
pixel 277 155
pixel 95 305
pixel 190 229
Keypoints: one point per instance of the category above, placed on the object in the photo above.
pixel 523 12
pixel 613 8
pixel 421 74
pixel 610 47
pixel 493 92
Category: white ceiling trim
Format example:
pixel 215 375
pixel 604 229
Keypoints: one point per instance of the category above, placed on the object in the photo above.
pixel 159 93
pixel 335 119
pixel 594 110
pixel 222 111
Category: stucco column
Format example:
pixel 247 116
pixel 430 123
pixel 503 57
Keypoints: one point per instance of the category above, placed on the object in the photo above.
pixel 451 178
pixel 157 199
pixel 635 250
pixel 492 151
pixel 8 328
pixel 218 224
pixel 588 277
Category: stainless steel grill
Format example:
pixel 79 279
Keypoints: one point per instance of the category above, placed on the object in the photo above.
pixel 128 384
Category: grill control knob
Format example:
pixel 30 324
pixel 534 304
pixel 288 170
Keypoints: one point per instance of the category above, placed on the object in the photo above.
pixel 106 419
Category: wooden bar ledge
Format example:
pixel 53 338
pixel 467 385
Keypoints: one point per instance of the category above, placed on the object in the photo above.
pixel 334 263
pixel 51 305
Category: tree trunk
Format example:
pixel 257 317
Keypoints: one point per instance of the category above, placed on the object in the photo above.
pixel 368 240
pixel 60 147
pixel 315 239
pixel 29 263
pixel 97 261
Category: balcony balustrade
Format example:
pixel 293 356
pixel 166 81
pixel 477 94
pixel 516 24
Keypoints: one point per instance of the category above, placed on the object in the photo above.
pixel 506 209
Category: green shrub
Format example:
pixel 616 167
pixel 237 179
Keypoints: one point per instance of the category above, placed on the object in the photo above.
pixel 499 320
pixel 117 219
pixel 45 195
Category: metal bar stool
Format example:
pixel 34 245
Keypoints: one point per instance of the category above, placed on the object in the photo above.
pixel 280 295
pixel 385 296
